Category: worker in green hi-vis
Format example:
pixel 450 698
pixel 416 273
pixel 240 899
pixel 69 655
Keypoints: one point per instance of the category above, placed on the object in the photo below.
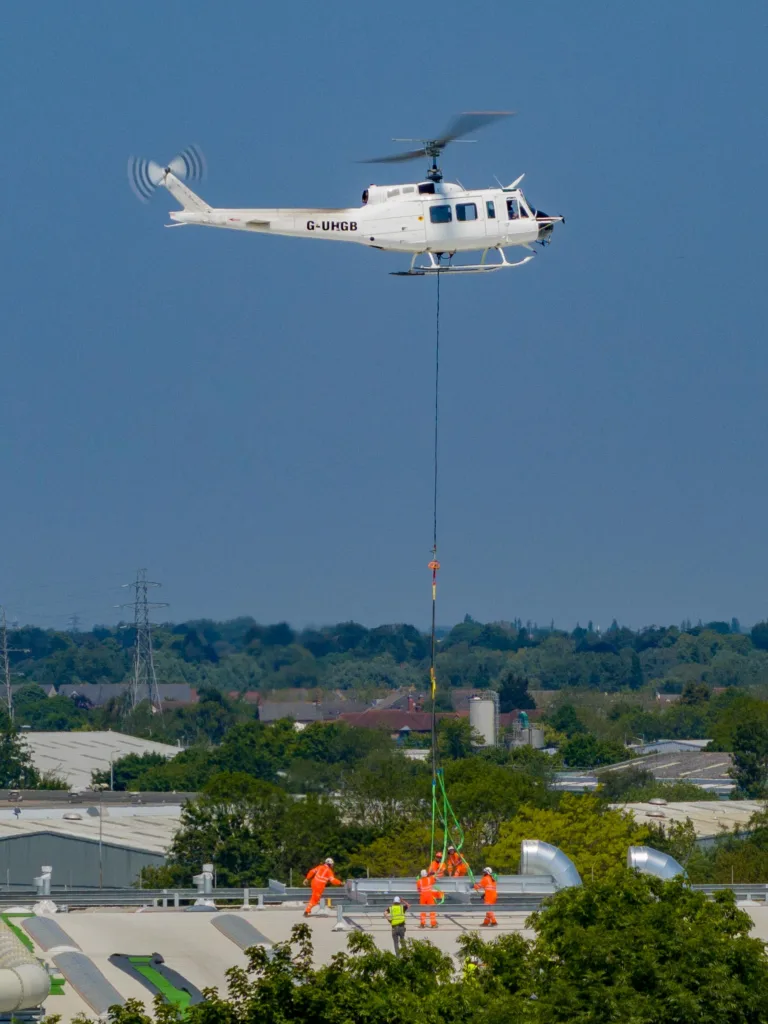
pixel 396 917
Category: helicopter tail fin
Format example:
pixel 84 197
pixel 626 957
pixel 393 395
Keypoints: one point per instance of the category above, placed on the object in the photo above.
pixel 188 199
pixel 146 175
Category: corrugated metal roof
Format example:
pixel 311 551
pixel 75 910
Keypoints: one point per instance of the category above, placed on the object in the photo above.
pixel 690 765
pixel 708 817
pixel 72 756
pixel 137 828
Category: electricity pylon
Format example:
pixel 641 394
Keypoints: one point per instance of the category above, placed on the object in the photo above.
pixel 144 681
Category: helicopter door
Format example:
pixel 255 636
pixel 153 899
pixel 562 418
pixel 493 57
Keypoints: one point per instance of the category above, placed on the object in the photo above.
pixel 398 224
pixel 469 220
pixel 493 213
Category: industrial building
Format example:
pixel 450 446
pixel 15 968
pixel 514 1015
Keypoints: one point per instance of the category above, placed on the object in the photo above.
pixel 73 756
pixel 710 818
pixel 87 844
pixel 99 956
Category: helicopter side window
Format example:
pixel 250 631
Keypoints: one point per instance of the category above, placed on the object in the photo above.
pixel 513 209
pixel 490 209
pixel 427 188
pixel 440 214
pixel 466 211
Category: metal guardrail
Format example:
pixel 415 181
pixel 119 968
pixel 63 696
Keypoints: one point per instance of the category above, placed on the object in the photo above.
pixel 277 893
pixel 149 897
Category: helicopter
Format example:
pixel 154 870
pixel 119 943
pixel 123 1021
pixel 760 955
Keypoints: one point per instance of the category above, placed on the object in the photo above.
pixel 432 218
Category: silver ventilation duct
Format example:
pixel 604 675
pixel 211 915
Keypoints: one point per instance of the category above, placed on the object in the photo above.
pixel 539 858
pixel 24 982
pixel 648 861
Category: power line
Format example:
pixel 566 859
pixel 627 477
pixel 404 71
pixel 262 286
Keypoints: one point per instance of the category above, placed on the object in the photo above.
pixel 144 681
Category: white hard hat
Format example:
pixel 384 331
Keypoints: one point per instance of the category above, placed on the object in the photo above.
pixel 423 872
pixel 396 899
pixel 487 871
pixel 329 861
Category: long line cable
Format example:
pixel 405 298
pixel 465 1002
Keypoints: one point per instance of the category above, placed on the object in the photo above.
pixel 442 812
pixel 434 565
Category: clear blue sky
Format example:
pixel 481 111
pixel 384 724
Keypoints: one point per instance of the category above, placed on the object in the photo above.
pixel 250 418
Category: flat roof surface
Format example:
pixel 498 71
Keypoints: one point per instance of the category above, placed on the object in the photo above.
pixel 709 817
pixel 191 945
pixel 72 756
pixel 685 765
pixel 147 828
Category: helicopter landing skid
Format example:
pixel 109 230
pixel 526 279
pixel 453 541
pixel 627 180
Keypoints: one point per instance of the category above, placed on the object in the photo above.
pixel 435 266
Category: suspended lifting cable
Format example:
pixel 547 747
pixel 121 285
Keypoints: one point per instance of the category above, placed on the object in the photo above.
pixel 442 812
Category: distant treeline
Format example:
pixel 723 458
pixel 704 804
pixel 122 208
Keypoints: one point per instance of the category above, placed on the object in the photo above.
pixel 243 655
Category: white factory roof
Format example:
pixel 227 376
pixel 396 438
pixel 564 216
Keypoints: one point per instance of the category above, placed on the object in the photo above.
pixel 192 945
pixel 148 828
pixel 709 817
pixel 72 756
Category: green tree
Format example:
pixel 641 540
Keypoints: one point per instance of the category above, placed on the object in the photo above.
pixel 634 948
pixel 456 738
pixel 485 795
pixel 16 768
pixel 513 692
pixel 403 852
pixel 589 752
pixel 636 677
pixel 238 825
pixel 312 830
pixel 565 719
pixel 695 694
pixel 750 758
pixel 126 770
pixel 759 634
pixel 594 837
pixel 384 791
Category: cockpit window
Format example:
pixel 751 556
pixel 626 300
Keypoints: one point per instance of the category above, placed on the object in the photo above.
pixel 427 188
pixel 440 214
pixel 513 209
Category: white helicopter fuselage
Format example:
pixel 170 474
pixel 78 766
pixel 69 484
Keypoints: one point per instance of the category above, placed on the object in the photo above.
pixel 422 217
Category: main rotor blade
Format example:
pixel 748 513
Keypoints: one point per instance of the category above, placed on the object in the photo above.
pixel 396 158
pixel 471 121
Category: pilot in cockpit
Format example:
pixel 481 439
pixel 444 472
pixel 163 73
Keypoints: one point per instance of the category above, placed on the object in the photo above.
pixel 513 209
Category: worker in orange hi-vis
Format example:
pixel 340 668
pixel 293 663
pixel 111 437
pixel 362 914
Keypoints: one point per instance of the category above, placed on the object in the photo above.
pixel 455 865
pixel 428 897
pixel 487 885
pixel 436 868
pixel 319 877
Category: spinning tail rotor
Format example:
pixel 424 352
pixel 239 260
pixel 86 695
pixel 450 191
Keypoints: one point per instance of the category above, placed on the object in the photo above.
pixel 145 176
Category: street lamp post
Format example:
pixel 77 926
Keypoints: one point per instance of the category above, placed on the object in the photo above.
pixel 101 786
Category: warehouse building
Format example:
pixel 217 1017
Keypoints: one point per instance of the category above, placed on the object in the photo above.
pixel 74 756
pixel 86 844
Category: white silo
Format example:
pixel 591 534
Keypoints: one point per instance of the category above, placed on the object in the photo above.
pixel 483 718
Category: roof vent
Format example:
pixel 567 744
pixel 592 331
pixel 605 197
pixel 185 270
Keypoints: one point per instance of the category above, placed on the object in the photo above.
pixel 655 814
pixel 658 801
pixel 73 816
